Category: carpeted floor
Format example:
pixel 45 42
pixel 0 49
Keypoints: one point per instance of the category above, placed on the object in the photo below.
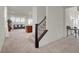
pixel 22 42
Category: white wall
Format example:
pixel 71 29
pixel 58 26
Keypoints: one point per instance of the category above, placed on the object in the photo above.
pixel 5 20
pixel 56 22
pixel 41 13
pixel 56 25
pixel 34 17
pixel 2 27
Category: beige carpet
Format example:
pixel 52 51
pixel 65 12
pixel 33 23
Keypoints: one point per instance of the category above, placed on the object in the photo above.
pixel 22 42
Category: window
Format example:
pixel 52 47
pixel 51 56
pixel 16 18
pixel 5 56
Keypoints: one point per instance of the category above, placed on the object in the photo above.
pixel 22 20
pixel 17 20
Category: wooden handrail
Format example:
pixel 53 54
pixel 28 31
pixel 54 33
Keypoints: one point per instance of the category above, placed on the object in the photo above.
pixel 42 20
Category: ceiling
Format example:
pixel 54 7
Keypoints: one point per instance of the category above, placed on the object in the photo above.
pixel 23 10
pixel 20 10
pixel 67 6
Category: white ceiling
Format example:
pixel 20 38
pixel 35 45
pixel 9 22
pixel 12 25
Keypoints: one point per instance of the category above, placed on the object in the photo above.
pixel 20 10
pixel 67 6
pixel 23 10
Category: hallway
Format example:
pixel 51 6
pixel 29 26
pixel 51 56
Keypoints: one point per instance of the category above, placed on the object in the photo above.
pixel 20 41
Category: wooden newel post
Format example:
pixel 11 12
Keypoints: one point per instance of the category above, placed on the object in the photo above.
pixel 36 37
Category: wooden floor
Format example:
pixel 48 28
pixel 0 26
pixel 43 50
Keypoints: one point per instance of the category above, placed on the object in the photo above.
pixel 22 42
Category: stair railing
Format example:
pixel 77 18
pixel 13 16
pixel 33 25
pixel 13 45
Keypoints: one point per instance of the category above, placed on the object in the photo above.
pixel 40 31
